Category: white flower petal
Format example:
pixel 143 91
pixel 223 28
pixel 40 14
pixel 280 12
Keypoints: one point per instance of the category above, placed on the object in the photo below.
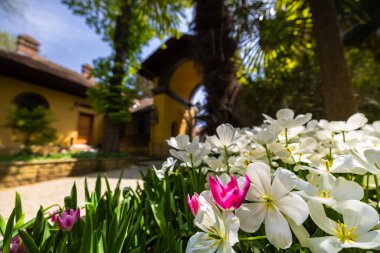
pixel 346 190
pixel 259 174
pixel 318 215
pixel 294 207
pixel 285 114
pixel 356 121
pixel 284 181
pixel 277 229
pixel 358 214
pixel 327 244
pixel 225 133
pixel 201 243
pixel 251 216
pixel 300 232
pixel 232 225
pixel 369 240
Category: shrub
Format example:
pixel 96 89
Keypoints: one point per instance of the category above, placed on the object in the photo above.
pixel 31 126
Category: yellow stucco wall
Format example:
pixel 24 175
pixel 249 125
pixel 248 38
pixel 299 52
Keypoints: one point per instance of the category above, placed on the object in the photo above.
pixel 62 105
pixel 183 82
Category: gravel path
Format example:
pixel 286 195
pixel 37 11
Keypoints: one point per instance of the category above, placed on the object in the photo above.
pixel 54 191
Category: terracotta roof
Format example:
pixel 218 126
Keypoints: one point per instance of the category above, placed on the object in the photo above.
pixel 142 105
pixel 42 72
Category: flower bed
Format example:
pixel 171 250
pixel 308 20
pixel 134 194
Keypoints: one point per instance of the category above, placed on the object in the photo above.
pixel 292 184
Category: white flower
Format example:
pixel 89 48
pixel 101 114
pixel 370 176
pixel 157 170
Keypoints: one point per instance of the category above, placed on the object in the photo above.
pixel 285 119
pixel 341 164
pixel 227 137
pixel 180 142
pixel 168 165
pixel 268 135
pixel 354 122
pixel 219 230
pixel 330 190
pixel 358 219
pixel 192 156
pixel 273 204
pixel 369 159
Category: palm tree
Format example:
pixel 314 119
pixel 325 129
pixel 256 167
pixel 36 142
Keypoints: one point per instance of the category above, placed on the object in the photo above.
pixel 287 29
pixel 215 52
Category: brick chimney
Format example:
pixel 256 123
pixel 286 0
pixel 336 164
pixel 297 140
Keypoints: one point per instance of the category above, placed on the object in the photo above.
pixel 86 71
pixel 27 45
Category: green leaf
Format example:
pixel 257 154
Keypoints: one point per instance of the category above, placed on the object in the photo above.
pixel 3 224
pixel 86 191
pixel 8 233
pixel 88 236
pixel 18 206
pixel 98 187
pixel 74 197
pixel 28 241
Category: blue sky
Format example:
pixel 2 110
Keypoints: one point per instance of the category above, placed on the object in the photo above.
pixel 65 38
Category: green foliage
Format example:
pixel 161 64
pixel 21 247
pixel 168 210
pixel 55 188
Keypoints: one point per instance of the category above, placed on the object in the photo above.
pixel 113 223
pixel 7 41
pixel 24 156
pixel 114 103
pixel 365 73
pixel 127 26
pixel 31 126
pixel 173 222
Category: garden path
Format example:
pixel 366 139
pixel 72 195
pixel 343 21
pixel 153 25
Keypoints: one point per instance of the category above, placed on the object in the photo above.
pixel 54 191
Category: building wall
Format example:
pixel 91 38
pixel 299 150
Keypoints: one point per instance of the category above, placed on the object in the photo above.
pixel 64 108
pixel 183 82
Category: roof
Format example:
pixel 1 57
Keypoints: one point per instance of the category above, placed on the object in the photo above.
pixel 42 72
pixel 142 105
pixel 174 50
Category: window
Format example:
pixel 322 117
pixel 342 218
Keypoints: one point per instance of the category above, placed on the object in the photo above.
pixel 30 100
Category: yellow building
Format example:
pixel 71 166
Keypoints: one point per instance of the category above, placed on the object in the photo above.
pixel 26 77
pixel 175 77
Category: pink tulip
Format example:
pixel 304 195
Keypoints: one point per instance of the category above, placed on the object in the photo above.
pixel 229 197
pixel 67 219
pixel 17 246
pixel 194 203
pixel 54 216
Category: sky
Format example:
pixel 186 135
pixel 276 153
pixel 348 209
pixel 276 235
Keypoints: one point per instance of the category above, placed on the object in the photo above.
pixel 64 37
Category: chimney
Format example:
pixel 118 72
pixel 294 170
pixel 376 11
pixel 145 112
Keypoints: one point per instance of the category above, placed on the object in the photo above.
pixel 27 45
pixel 86 71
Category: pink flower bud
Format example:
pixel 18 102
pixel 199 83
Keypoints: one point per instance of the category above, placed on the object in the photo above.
pixel 229 197
pixel 67 219
pixel 193 203
pixel 54 216
pixel 17 246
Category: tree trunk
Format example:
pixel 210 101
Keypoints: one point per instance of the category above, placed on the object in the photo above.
pixel 215 52
pixel 339 99
pixel 112 130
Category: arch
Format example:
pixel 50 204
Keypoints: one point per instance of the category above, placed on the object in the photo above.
pixel 30 100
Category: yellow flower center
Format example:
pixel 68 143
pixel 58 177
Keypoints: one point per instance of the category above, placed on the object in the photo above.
pixel 345 234
pixel 268 200
pixel 325 194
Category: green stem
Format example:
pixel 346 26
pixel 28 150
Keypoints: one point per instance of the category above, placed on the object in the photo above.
pixel 344 136
pixel 286 137
pixel 253 238
pixel 367 189
pixel 268 155
pixel 227 156
pixel 377 188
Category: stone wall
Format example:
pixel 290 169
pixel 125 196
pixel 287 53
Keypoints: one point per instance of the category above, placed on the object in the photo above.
pixel 21 173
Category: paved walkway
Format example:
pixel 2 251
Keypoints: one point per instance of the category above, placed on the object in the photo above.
pixel 54 191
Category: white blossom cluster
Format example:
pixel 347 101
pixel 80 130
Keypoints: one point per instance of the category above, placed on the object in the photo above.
pixel 298 169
